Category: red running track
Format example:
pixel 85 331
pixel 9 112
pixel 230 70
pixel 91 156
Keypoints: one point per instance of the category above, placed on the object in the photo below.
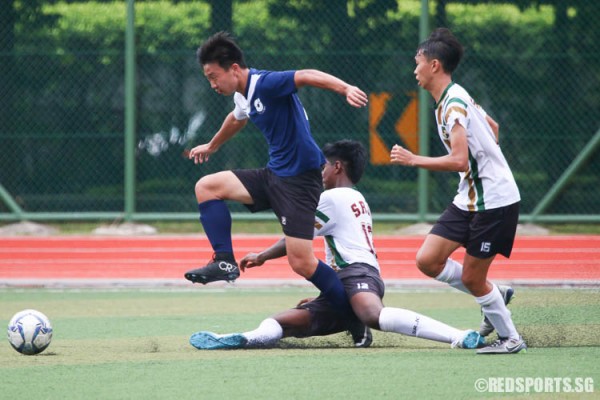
pixel 546 259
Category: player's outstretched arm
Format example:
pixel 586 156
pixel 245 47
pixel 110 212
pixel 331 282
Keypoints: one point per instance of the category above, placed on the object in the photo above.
pixel 228 129
pixel 456 161
pixel 252 260
pixel 312 77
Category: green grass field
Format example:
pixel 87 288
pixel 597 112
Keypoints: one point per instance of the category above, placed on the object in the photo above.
pixel 133 344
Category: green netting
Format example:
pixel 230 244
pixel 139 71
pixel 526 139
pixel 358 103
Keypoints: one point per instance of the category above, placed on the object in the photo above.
pixel 62 104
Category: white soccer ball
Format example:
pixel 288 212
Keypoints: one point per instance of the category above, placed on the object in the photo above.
pixel 29 332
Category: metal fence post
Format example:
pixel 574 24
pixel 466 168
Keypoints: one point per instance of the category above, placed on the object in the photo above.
pixel 565 178
pixel 11 203
pixel 423 177
pixel 130 112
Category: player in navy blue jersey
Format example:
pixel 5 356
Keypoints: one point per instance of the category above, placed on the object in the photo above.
pixel 290 184
pixel 343 219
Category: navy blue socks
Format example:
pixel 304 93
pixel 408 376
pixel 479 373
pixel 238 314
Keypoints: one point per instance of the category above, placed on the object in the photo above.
pixel 216 220
pixel 329 283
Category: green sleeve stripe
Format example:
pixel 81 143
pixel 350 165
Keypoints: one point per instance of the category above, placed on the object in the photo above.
pixel 478 184
pixel 456 100
pixel 339 261
pixel 322 216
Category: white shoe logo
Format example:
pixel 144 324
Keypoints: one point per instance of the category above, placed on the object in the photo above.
pixel 510 349
pixel 225 266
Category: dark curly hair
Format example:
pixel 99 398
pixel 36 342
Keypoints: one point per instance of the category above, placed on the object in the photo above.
pixel 351 153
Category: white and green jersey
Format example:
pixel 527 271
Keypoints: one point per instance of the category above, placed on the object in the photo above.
pixel 344 219
pixel 488 183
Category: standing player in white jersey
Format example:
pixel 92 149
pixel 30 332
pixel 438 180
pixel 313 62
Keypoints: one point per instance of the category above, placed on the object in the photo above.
pixel 344 219
pixel 290 184
pixel 484 214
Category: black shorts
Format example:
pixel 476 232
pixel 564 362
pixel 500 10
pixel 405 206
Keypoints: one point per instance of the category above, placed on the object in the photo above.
pixel 482 233
pixel 293 199
pixel 356 278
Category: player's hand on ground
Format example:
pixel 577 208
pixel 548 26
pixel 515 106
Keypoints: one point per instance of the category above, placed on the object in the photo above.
pixel 251 260
pixel 200 153
pixel 304 301
pixel 356 97
pixel 399 155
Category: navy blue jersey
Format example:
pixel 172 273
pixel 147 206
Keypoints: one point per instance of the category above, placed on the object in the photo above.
pixel 272 104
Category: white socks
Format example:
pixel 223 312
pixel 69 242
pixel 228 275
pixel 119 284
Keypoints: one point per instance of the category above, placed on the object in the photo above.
pixel 452 275
pixel 267 334
pixel 492 303
pixel 414 324
pixel 499 315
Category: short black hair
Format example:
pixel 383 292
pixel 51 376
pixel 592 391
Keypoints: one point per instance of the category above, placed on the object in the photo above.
pixel 444 46
pixel 351 153
pixel 222 49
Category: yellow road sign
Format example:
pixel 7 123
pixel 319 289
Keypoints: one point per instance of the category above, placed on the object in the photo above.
pixel 406 127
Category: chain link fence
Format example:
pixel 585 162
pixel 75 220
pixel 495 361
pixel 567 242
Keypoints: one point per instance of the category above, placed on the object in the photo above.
pixel 533 65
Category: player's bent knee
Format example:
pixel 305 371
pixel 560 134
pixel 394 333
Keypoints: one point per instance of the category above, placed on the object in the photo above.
pixel 206 189
pixel 367 306
pixel 427 266
pixel 303 263
pixel 303 269
pixel 200 192
pixel 371 320
pixel 199 187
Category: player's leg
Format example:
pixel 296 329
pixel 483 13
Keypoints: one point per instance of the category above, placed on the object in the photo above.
pixel 493 305
pixel 369 308
pixel 486 328
pixel 294 200
pixel 452 274
pixel 211 193
pixel 267 334
pixel 433 259
pixel 293 322
pixel 492 232
pixel 366 306
pixel 433 254
pixel 324 320
pixel 364 288
pixel 313 318
pixel 411 323
pixel 448 233
pixel 451 231
pixel 302 259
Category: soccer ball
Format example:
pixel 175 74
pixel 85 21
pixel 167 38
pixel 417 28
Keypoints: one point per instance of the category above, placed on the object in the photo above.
pixel 29 332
